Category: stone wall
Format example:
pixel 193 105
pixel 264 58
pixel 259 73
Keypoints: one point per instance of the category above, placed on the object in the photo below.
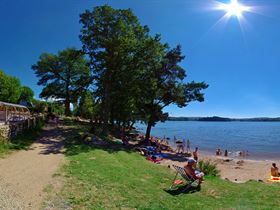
pixel 4 132
pixel 13 129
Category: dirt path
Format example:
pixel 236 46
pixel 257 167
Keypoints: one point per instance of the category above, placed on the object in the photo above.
pixel 24 174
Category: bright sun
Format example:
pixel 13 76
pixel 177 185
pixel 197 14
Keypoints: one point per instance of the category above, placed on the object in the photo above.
pixel 234 8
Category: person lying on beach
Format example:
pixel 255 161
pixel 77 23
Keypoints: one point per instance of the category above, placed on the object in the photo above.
pixel 154 158
pixel 189 169
pixel 157 145
pixel 274 170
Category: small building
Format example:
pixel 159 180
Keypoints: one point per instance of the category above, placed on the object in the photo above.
pixel 13 112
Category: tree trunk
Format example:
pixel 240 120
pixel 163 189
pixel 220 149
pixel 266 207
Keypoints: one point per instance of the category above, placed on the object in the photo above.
pixel 148 131
pixel 106 110
pixel 67 107
pixel 112 122
pixel 67 101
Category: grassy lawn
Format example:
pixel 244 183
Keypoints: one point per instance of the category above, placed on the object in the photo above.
pixel 112 178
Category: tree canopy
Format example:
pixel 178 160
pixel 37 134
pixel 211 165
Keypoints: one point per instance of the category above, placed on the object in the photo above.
pixel 11 90
pixel 26 94
pixel 111 38
pixel 130 76
pixel 64 76
pixel 87 107
pixel 136 75
pixel 164 86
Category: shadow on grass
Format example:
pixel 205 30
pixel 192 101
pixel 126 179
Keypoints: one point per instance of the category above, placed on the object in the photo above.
pixel 67 139
pixel 20 142
pixel 75 145
pixel 24 140
pixel 183 190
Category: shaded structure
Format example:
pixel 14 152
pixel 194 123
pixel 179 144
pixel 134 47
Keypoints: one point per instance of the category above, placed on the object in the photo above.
pixel 13 112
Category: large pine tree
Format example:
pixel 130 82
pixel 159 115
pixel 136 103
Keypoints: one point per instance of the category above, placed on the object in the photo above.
pixel 64 76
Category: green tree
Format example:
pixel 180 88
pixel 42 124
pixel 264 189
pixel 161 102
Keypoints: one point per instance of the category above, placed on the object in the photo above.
pixel 10 88
pixel 64 76
pixel 111 38
pixel 163 85
pixel 26 94
pixel 86 107
pixel 56 107
pixel 136 76
pixel 39 106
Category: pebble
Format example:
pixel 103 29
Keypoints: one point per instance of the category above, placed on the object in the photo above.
pixel 8 199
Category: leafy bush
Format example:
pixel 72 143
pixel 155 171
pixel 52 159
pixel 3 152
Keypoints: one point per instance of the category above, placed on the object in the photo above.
pixel 208 167
pixel 40 124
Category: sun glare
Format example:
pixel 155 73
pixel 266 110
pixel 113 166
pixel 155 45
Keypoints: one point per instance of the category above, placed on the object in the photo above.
pixel 234 8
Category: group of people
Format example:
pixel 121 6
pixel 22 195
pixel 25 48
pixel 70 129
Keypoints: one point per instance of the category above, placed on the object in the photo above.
pixel 182 146
pixel 226 153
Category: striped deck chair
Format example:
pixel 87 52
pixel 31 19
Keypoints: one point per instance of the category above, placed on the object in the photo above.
pixel 189 180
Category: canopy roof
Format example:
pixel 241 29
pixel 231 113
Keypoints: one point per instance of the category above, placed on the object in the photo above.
pixel 13 107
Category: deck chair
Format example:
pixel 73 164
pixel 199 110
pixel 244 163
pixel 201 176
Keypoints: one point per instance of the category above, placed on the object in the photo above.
pixel 189 180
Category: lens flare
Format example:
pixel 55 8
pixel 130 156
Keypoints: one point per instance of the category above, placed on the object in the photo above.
pixel 234 8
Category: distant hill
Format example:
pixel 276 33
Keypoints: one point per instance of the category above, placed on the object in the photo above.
pixel 224 119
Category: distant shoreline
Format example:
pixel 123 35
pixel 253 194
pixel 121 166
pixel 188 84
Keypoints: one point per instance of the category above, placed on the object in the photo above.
pixel 224 119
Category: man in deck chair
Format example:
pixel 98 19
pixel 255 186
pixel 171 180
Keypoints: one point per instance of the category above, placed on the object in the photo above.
pixel 195 174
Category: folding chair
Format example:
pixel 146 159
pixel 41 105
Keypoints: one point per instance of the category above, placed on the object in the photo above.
pixel 189 179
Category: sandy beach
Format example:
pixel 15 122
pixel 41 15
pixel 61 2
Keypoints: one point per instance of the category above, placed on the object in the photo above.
pixel 235 169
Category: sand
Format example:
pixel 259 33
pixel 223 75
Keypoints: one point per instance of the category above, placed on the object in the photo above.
pixel 234 169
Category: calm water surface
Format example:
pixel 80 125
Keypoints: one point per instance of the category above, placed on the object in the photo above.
pixel 261 139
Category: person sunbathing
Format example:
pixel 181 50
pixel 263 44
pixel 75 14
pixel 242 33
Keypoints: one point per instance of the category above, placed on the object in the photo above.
pixel 189 169
pixel 274 170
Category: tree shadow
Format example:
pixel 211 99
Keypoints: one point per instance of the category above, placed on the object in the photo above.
pixel 175 157
pixel 24 140
pixel 183 190
pixel 51 140
pixel 51 145
pixel 74 143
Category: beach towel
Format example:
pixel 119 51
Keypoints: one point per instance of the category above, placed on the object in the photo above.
pixel 274 179
pixel 154 159
pixel 161 155
pixel 178 182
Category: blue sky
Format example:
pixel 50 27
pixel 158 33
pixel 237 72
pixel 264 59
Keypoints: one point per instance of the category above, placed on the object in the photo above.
pixel 240 63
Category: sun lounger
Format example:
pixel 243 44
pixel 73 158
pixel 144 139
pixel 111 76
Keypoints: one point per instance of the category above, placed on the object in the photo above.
pixel 189 180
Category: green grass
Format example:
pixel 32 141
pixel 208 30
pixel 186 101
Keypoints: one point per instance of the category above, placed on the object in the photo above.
pixel 20 142
pixel 113 178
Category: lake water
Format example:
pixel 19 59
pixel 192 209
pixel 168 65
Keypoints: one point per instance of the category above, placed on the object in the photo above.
pixel 261 139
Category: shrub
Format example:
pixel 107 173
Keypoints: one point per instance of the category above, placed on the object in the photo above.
pixel 208 167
